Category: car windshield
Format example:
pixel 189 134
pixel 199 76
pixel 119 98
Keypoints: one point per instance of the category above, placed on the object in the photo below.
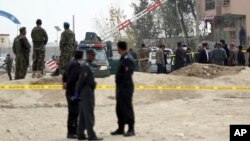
pixel 100 55
pixel 168 52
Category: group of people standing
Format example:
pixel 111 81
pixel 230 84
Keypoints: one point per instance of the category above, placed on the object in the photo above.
pixel 22 48
pixel 79 82
pixel 181 58
pixel 222 54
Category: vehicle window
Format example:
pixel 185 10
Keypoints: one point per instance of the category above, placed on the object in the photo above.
pixel 100 55
pixel 116 55
pixel 168 52
pixel 153 55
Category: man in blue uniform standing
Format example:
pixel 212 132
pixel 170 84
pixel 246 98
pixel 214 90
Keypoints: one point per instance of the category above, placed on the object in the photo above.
pixel 86 87
pixel 124 92
pixel 70 79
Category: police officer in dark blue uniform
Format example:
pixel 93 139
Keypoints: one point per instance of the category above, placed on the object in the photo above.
pixel 86 87
pixel 124 92
pixel 70 78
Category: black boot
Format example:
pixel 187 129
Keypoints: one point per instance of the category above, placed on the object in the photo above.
pixel 72 132
pixel 72 136
pixel 131 131
pixel 82 137
pixel 95 139
pixel 119 131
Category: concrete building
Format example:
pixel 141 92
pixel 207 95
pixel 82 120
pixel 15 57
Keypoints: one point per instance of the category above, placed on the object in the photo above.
pixel 226 18
pixel 4 41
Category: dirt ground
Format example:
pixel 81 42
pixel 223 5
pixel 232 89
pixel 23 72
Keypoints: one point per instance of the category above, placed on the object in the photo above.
pixel 161 115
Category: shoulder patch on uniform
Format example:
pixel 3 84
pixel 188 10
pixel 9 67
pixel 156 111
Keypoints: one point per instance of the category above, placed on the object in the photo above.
pixel 126 57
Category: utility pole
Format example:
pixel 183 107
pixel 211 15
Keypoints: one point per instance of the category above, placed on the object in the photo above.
pixel 57 31
pixel 74 23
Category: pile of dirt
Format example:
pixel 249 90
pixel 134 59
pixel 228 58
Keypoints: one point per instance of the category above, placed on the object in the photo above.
pixel 2 73
pixel 207 71
pixel 47 80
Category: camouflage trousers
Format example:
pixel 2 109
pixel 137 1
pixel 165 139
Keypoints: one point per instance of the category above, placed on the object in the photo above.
pixel 22 65
pixel 38 59
pixel 143 66
pixel 8 70
pixel 65 58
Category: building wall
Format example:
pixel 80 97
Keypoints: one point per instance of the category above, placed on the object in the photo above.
pixel 240 7
pixel 4 41
pixel 236 7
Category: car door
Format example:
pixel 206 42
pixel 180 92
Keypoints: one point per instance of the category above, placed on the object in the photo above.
pixel 114 62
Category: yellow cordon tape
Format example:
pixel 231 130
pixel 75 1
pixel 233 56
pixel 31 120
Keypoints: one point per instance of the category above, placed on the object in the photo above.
pixel 31 87
pixel 111 87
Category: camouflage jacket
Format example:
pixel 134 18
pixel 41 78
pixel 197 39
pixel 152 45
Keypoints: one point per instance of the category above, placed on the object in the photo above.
pixel 21 46
pixel 8 61
pixel 67 41
pixel 144 53
pixel 39 36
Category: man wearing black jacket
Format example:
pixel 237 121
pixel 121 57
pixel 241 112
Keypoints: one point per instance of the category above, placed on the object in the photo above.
pixel 224 45
pixel 70 78
pixel 180 57
pixel 124 92
pixel 241 57
pixel 204 56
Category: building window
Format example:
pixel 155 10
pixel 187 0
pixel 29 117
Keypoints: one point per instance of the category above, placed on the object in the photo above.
pixel 210 4
pixel 226 2
pixel 2 40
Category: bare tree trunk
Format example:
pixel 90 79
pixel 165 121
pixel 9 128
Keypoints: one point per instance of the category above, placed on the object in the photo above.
pixel 192 8
pixel 183 23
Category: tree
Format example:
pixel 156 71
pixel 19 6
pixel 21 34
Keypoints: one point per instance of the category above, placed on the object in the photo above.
pixel 116 17
pixel 168 18
pixel 178 17
pixel 143 27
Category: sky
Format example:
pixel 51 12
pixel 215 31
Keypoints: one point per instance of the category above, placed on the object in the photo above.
pixel 55 12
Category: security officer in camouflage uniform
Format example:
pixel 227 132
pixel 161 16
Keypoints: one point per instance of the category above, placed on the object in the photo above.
pixel 39 39
pixel 67 45
pixel 8 61
pixel 21 49
pixel 144 55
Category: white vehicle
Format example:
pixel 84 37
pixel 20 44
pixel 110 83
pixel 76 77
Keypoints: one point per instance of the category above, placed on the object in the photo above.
pixel 2 62
pixel 152 59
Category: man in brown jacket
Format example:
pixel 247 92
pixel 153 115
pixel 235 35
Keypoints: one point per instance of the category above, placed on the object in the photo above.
pixel 232 60
pixel 160 62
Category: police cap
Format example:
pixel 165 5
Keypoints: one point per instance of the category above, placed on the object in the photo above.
pixel 91 52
